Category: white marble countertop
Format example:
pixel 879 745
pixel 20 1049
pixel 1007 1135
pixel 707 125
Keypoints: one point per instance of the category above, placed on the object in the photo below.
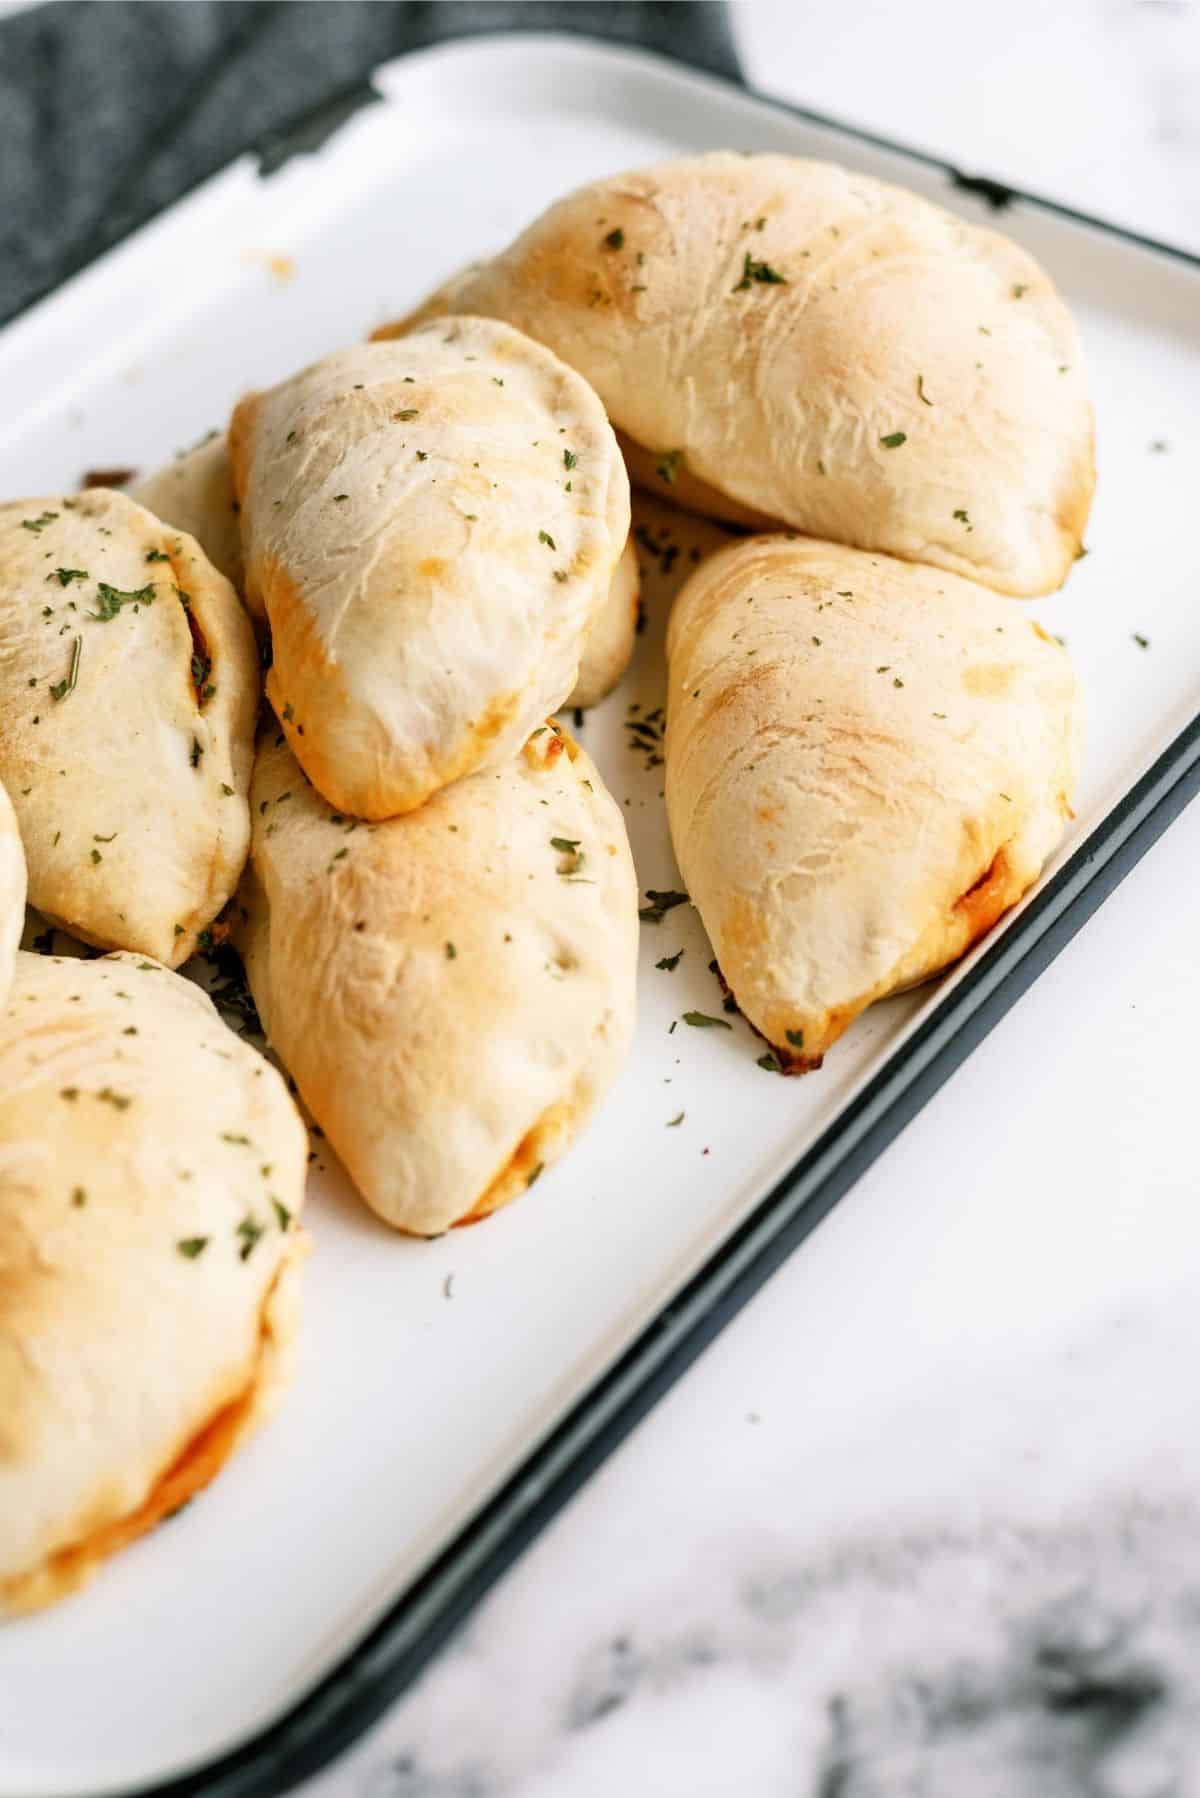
pixel 924 1521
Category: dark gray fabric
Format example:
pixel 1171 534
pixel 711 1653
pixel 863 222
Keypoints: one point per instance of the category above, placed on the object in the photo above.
pixel 109 111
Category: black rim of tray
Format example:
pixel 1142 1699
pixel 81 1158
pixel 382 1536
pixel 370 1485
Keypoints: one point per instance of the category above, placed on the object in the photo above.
pixel 370 1676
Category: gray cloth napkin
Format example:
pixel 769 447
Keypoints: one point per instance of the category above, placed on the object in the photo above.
pixel 109 112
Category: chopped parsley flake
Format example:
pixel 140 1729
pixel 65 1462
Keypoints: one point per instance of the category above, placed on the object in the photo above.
pixel 191 1246
pixel 670 962
pixel 64 576
pixel 667 465
pixel 38 525
pixel 545 537
pixel 753 270
pixel 248 1233
pixel 700 1020
pixel 615 240
pixel 61 688
pixel 894 439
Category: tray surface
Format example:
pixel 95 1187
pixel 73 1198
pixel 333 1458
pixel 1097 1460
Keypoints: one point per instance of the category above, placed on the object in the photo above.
pixel 430 1370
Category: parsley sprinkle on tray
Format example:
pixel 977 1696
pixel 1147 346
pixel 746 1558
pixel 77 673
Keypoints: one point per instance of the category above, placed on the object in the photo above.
pixel 61 688
pixel 660 904
pixel 700 1020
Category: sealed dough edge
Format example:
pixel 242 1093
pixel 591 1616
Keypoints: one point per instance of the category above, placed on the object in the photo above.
pixel 801 344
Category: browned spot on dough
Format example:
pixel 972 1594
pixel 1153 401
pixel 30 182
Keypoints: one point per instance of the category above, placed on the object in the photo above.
pixel 432 568
pixel 990 679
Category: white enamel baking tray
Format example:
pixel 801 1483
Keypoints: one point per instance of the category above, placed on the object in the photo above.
pixel 452 1394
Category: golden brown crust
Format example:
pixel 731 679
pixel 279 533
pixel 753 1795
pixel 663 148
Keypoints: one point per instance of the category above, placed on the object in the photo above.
pixel 608 647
